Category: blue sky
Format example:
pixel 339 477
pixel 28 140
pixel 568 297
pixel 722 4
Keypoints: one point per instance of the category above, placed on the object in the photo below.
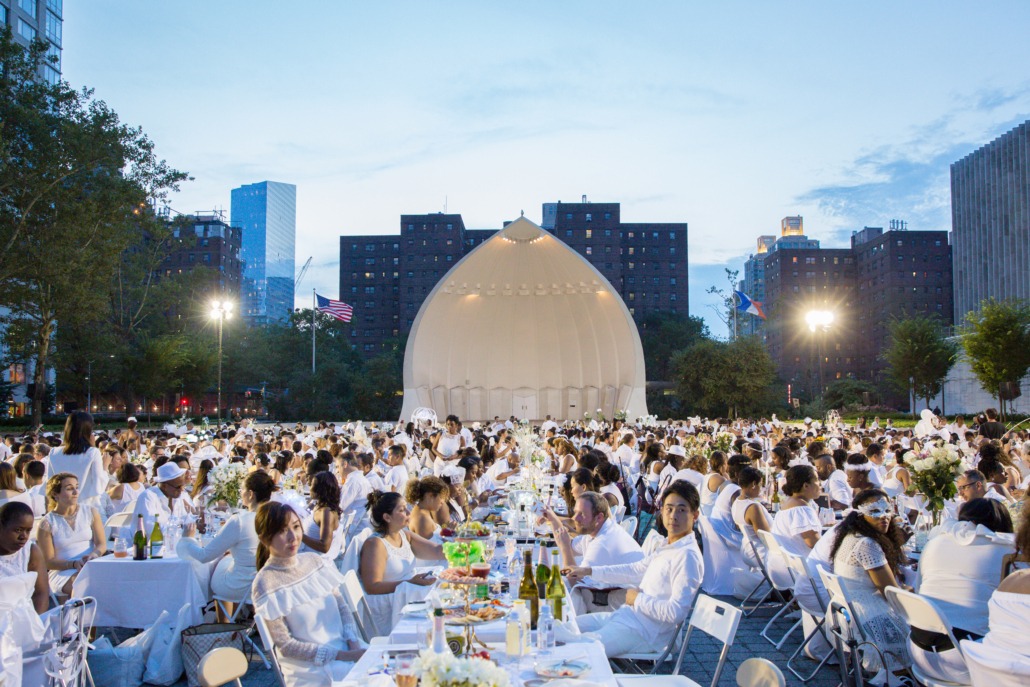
pixel 728 116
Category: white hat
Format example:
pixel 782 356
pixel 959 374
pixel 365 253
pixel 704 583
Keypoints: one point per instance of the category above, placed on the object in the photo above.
pixel 677 450
pixel 168 472
pixel 131 419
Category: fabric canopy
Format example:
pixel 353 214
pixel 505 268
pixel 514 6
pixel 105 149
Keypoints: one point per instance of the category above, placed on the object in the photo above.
pixel 525 326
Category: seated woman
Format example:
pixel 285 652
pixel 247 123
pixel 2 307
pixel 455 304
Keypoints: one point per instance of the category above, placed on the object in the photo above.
pixel 8 482
pixel 721 518
pixel 127 490
pixel 428 495
pixel 320 528
pixel 959 571
pixel 867 556
pixel 608 476
pixel 70 535
pixel 18 555
pixel 750 515
pixel 234 573
pixel 1008 622
pixel 388 557
pixel 202 488
pixel 668 580
pixel 713 481
pixel 797 526
pixel 298 596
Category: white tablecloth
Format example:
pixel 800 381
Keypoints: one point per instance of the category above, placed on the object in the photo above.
pixel 592 653
pixel 133 593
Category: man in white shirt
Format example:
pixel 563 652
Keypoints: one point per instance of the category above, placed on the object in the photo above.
pixel 879 472
pixel 163 501
pixel 467 435
pixel 499 472
pixel 548 424
pixel 600 542
pixel 367 463
pixel 355 488
pixel 397 476
pixel 835 482
pixel 626 456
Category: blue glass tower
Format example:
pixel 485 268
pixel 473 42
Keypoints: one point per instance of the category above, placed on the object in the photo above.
pixel 267 214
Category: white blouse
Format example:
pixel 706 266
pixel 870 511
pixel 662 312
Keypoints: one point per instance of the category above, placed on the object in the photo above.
pixel 789 524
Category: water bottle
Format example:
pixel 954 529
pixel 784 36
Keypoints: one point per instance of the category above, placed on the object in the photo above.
pixel 513 641
pixel 545 629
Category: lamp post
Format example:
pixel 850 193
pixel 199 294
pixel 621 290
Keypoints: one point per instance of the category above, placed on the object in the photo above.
pixel 819 321
pixel 221 311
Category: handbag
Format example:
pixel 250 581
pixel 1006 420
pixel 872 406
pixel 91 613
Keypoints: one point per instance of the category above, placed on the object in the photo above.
pixel 198 640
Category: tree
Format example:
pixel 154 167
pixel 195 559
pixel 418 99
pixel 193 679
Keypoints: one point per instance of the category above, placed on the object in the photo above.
pixel 728 313
pixel 841 393
pixel 996 339
pixel 662 334
pixel 918 356
pixel 73 183
pixel 717 376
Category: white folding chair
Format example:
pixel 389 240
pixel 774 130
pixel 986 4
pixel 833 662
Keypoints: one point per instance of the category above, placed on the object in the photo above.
pixel 990 666
pixel 759 672
pixel 772 546
pixel 116 522
pixel 232 619
pixel 845 630
pixel 352 553
pixel 266 641
pixel 919 611
pixel 221 666
pixel 355 595
pixel 618 512
pixel 717 619
pixel 656 658
pixel 799 567
pixel 654 681
pixel 756 549
pixel 651 542
pixel 720 558
pixel 630 525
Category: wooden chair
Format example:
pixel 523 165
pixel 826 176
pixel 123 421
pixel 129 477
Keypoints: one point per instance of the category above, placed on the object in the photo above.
pixel 222 666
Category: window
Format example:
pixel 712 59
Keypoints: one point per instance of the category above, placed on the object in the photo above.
pixel 52 52
pixel 353 289
pixel 899 242
pixel 937 242
pixel 672 296
pixel 26 31
pixel 809 261
pixel 795 289
pixel 568 232
pixel 672 251
pixel 370 246
pixel 28 7
pixel 795 260
pixel 632 296
pixel 672 236
pixel 51 75
pixel 631 265
pixel 449 258
pixel 53 28
pixel 568 216
pixel 450 227
pixel 672 281
pixel 411 227
pixel 3 15
pixel 631 250
pixel 672 265
pixel 448 240
pixel 590 250
pixel 607 215
pixel 590 232
pixel 589 218
pixel 631 234
pixel 370 289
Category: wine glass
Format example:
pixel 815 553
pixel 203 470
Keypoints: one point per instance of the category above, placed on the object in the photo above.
pixel 121 547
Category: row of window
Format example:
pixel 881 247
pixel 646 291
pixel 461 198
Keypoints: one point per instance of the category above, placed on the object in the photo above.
pixel 608 249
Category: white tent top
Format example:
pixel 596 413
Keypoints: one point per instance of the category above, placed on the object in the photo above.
pixel 525 326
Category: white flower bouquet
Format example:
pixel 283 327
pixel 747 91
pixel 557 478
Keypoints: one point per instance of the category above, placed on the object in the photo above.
pixel 724 441
pixel 226 482
pixel 934 472
pixel 447 670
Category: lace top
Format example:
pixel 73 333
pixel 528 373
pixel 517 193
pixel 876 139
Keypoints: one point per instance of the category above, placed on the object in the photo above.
pixel 400 560
pixel 282 590
pixel 16 563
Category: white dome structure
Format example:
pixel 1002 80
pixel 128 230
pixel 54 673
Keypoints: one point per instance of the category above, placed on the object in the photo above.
pixel 524 326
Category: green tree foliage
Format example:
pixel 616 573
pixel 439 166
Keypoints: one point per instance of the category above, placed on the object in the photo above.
pixel 733 377
pixel 663 333
pixel 918 356
pixel 997 343
pixel 841 393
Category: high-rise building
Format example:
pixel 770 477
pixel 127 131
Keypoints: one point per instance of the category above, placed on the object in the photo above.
pixel 266 213
pixel 882 275
pixel 990 221
pixel 386 278
pixel 30 19
pixel 753 284
pixel 211 243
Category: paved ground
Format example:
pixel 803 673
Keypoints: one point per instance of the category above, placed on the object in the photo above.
pixel 699 663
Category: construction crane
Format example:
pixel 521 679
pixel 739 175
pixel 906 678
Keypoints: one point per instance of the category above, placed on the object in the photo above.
pixel 300 277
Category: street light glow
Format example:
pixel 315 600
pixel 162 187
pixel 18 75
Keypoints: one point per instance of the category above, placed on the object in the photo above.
pixel 817 319
pixel 215 305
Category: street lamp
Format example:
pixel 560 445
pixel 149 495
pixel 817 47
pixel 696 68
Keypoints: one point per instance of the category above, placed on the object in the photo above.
pixel 819 321
pixel 221 311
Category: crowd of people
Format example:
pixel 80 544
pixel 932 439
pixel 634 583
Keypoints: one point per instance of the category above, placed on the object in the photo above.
pixel 318 501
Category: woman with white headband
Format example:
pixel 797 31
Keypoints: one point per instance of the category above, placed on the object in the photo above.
pixel 867 555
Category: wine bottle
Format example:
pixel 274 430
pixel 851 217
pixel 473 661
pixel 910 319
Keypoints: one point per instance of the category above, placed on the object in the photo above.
pixel 555 589
pixel 543 573
pixel 139 541
pixel 528 591
pixel 157 541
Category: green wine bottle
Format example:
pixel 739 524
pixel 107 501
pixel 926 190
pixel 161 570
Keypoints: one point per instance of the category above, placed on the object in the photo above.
pixel 543 573
pixel 157 541
pixel 555 588
pixel 139 541
pixel 528 591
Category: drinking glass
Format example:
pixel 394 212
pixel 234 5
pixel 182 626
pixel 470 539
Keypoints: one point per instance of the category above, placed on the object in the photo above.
pixel 488 548
pixel 515 575
pixel 121 547
pixel 422 639
pixel 404 670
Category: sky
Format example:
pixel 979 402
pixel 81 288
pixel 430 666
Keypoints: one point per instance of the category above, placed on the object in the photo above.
pixel 727 116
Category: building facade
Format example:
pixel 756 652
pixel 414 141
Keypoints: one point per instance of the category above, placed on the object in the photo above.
pixel 990 222
pixel 266 213
pixel 386 278
pixel 31 19
pixel 210 243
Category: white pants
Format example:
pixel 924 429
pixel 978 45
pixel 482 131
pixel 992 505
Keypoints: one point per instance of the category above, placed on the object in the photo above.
pixel 946 665
pixel 618 640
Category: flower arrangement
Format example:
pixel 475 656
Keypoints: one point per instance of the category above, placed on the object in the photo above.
pixel 586 415
pixel 724 441
pixel 226 481
pixel 934 472
pixel 620 415
pixel 526 439
pixel 447 670
pixel 647 420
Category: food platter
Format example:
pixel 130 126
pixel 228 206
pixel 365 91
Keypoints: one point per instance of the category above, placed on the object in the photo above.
pixel 460 576
pixel 480 614
pixel 561 669
pixel 469 531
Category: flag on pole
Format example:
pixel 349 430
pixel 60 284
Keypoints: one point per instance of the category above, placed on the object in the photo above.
pixel 337 309
pixel 749 306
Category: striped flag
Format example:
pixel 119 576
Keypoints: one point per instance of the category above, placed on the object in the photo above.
pixel 337 309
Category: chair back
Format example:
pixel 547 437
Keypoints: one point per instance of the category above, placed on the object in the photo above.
pixel 800 569
pixel 220 666
pixel 759 672
pixel 990 666
pixel 266 641
pixel 629 524
pixel 618 512
pixel 116 522
pixel 716 618
pixel 651 542
pixel 772 546
pixel 355 595
pixel 352 554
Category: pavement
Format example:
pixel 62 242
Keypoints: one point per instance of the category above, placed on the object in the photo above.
pixel 699 663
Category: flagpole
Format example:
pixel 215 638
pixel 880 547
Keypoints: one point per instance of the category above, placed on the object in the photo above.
pixel 314 309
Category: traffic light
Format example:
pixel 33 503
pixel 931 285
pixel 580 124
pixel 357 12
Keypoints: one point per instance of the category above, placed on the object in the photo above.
pixel 185 403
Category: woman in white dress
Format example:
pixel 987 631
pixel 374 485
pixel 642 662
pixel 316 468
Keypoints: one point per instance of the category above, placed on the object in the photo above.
pixel 428 495
pixel 797 525
pixel 234 573
pixel 202 488
pixel 321 528
pixel 71 534
pixel 750 516
pixel 867 555
pixel 713 481
pixel 447 445
pixel 388 558
pixel 128 488
pixel 77 455
pixel 18 555
pixel 898 477
pixel 298 597
pixel 609 475
pixel 8 483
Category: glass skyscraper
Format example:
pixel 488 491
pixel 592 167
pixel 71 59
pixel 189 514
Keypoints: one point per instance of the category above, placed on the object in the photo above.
pixel 267 214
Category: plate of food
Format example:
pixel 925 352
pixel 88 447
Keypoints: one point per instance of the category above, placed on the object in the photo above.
pixel 477 573
pixel 559 669
pixel 481 613
pixel 468 531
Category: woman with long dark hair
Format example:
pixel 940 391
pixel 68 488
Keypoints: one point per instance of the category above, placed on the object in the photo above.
pixel 298 596
pixel 201 488
pixel 78 455
pixel 320 533
pixel 867 554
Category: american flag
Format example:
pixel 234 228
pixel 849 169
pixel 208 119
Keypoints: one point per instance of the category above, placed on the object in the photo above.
pixel 337 309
